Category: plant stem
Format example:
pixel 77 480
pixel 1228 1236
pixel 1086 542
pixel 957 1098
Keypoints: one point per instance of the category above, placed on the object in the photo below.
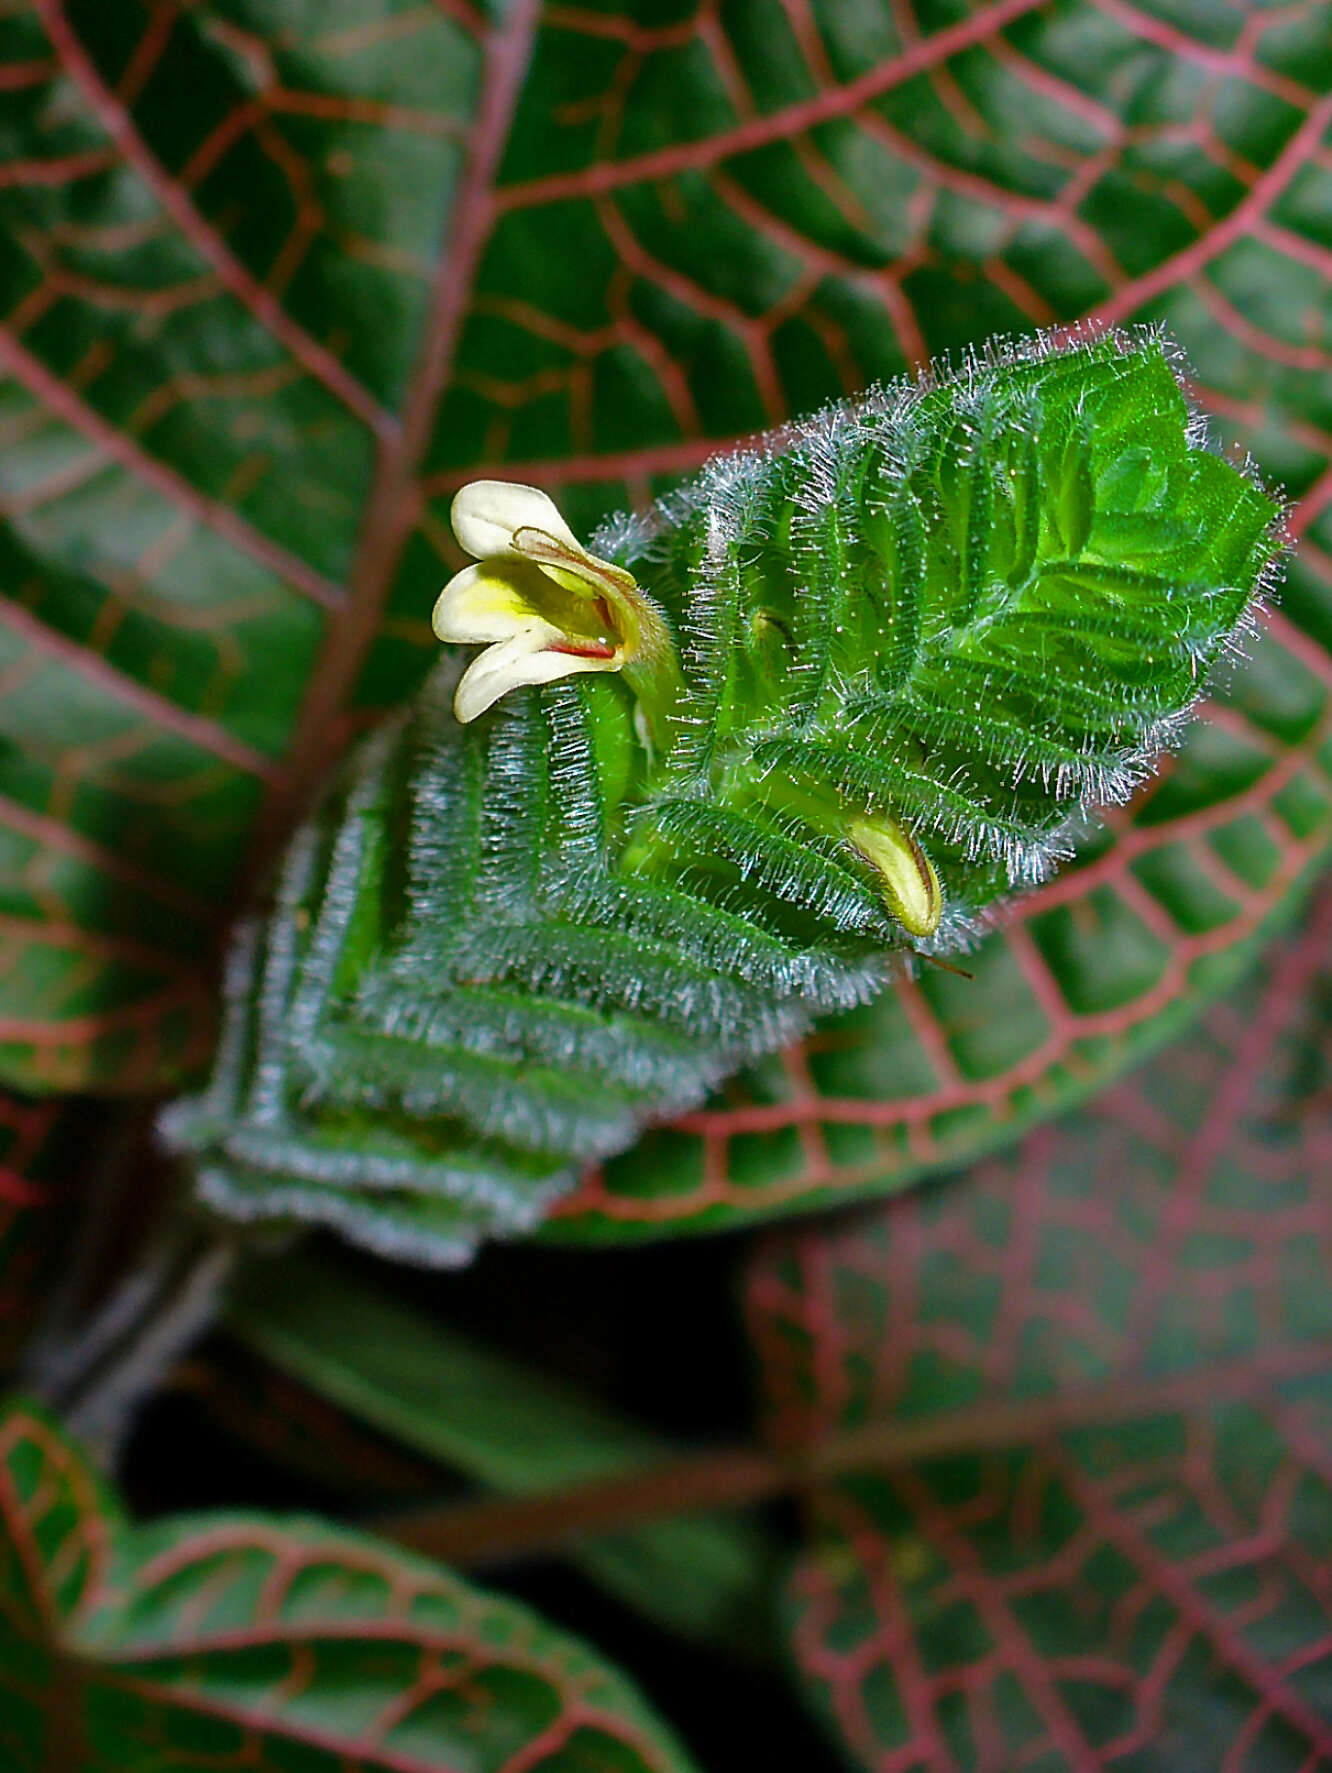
pixel 500 1530
pixel 96 1252
pixel 143 1281
pixel 101 1404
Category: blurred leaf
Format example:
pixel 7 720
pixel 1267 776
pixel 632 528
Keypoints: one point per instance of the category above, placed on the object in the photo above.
pixel 510 1429
pixel 277 278
pixel 342 1462
pixel 39 1142
pixel 1118 1341
pixel 247 1641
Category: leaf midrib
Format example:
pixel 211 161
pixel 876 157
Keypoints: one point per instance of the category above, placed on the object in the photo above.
pixel 395 494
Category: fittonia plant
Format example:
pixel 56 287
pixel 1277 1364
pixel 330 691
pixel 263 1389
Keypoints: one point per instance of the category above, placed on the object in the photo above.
pixel 808 719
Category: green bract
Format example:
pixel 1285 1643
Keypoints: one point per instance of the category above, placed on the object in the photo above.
pixel 921 636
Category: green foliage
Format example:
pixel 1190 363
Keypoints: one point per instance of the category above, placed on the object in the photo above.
pixel 1086 1413
pixel 256 341
pixel 980 608
pixel 271 1644
pixel 259 340
pixel 514 1432
pixel 276 278
pixel 942 623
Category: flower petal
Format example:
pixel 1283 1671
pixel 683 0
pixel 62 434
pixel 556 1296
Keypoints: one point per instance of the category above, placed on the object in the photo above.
pixel 515 662
pixel 482 602
pixel 486 514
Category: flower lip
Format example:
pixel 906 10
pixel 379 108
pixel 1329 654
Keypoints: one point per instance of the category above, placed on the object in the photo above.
pixel 543 607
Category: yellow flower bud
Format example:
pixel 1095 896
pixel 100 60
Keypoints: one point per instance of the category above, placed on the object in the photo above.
pixel 906 873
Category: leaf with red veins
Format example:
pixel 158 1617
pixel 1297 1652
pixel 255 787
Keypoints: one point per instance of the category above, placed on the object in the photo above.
pixel 253 344
pixel 251 1642
pixel 211 329
pixel 1083 1401
pixel 1166 908
pixel 915 186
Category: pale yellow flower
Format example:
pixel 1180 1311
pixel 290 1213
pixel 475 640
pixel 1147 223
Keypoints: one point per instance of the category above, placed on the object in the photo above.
pixel 540 604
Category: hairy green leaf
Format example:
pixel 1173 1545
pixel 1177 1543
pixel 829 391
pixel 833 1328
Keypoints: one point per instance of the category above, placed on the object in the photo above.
pixel 1085 1403
pixel 920 637
pixel 248 1641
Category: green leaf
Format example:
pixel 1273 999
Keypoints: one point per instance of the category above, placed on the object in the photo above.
pixel 513 1431
pixel 1083 978
pixel 256 342
pixel 505 944
pixel 1083 1401
pixel 274 1644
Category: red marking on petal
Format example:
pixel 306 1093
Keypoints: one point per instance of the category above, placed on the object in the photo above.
pixel 591 649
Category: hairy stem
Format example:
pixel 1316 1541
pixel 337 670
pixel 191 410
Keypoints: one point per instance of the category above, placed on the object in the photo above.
pixel 160 1326
pixel 143 1282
